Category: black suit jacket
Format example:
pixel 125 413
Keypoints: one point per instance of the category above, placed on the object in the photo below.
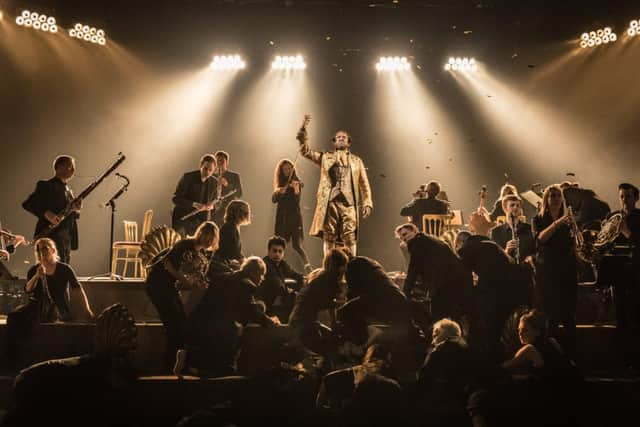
pixel 502 234
pixel 274 281
pixel 442 272
pixel 191 189
pixel 418 207
pixel 53 195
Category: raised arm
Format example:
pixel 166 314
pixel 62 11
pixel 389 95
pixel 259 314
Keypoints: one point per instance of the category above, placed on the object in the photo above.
pixel 305 150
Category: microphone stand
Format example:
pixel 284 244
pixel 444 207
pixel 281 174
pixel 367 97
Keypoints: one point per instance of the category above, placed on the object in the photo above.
pixel 112 204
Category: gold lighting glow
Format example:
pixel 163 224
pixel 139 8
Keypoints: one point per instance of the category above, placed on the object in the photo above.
pixel 634 28
pixel 227 63
pixel 597 37
pixel 463 65
pixel 88 34
pixel 37 21
pixel 289 63
pixel 393 63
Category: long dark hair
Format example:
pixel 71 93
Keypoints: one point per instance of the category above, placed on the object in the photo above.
pixel 279 178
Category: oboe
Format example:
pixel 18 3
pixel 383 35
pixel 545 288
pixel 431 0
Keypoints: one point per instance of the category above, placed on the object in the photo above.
pixel 514 236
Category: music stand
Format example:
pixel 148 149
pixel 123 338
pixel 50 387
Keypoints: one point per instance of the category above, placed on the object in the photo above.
pixel 112 204
pixel 532 198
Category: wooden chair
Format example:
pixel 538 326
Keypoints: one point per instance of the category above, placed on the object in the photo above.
pixel 131 248
pixel 435 225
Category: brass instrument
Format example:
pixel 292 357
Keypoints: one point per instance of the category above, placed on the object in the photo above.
pixel 598 244
pixel 574 230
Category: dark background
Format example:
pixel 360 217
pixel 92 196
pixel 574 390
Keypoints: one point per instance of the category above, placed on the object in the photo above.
pixel 544 108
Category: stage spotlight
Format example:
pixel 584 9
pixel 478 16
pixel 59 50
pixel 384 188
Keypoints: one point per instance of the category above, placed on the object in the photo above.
pixel 461 64
pixel 597 37
pixel 393 63
pixel 37 21
pixel 634 28
pixel 227 63
pixel 288 63
pixel 88 34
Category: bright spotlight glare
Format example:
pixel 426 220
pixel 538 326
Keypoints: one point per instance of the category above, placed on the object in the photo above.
pixel 88 34
pixel 597 37
pixel 36 21
pixel 288 62
pixel 465 64
pixel 227 63
pixel 634 28
pixel 395 63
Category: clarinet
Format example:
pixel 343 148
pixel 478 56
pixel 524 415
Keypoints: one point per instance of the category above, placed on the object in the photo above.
pixel 514 236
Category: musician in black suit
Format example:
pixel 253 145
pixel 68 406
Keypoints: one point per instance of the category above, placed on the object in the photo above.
pixel 49 199
pixel 522 247
pixel 228 181
pixel 195 191
pixel 425 202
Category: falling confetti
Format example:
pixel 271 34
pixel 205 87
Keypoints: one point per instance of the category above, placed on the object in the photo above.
pixel 410 40
pixel 429 141
pixel 488 96
pixel 271 42
pixel 327 38
pixel 419 67
pixel 468 32
pixel 531 66
pixel 515 55
pixel 454 27
pixel 383 175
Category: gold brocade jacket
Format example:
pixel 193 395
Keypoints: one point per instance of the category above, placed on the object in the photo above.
pixel 359 181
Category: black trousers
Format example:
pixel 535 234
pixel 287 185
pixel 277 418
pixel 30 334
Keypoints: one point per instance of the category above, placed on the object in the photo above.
pixel 63 244
pixel 166 299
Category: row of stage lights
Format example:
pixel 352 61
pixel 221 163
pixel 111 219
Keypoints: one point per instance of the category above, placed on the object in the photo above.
pixel 606 35
pixel 86 33
pixel 45 23
pixel 385 64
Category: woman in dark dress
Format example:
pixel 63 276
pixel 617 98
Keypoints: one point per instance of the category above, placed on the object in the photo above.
pixel 556 267
pixel 287 189
pixel 229 251
pixel 186 264
pixel 53 288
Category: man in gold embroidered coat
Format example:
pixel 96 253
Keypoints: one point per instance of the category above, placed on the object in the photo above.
pixel 343 189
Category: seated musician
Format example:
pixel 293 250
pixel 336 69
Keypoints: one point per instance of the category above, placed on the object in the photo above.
pixel 54 295
pixel 274 291
pixel 425 202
